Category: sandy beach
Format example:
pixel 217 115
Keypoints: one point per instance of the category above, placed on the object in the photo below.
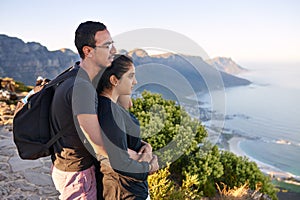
pixel 234 147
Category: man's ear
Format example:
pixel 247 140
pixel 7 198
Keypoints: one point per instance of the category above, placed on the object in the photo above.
pixel 113 80
pixel 87 51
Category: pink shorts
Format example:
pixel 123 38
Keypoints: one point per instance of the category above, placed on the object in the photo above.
pixel 75 185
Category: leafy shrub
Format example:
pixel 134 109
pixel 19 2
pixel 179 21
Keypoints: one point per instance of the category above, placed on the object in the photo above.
pixel 162 187
pixel 195 170
pixel 21 87
pixel 239 170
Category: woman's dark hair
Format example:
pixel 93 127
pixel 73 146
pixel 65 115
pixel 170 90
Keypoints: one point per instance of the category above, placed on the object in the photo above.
pixel 119 66
pixel 85 35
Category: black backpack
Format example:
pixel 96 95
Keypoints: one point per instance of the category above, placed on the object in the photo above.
pixel 31 127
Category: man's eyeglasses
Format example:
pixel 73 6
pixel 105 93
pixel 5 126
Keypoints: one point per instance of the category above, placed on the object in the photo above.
pixel 108 46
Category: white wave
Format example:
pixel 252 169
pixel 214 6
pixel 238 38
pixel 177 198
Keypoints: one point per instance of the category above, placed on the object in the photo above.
pixel 283 142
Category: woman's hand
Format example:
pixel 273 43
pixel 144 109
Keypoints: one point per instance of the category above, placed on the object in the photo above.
pixel 133 154
pixel 145 152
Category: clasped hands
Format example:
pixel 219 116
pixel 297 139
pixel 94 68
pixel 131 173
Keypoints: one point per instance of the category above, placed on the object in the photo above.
pixel 145 154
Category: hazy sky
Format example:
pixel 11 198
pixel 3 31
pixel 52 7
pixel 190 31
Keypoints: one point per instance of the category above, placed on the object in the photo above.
pixel 245 30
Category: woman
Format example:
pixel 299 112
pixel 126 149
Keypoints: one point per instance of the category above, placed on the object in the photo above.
pixel 124 175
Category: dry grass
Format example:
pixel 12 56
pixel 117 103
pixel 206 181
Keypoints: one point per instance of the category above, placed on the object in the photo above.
pixel 237 193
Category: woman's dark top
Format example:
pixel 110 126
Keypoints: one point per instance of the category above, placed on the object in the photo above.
pixel 121 131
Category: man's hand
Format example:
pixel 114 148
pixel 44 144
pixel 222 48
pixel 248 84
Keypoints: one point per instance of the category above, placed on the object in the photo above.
pixel 146 148
pixel 154 165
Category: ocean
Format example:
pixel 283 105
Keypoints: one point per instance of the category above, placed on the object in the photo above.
pixel 267 114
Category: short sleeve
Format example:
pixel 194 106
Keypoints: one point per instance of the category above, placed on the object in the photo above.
pixel 84 98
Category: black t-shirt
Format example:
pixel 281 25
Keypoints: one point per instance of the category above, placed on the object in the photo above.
pixel 74 96
pixel 132 127
pixel 136 189
pixel 121 131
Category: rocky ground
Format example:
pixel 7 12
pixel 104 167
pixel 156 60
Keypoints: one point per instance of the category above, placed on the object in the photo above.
pixel 21 179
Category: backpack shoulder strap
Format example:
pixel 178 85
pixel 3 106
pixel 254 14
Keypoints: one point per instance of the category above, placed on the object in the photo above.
pixel 68 73
pixel 54 139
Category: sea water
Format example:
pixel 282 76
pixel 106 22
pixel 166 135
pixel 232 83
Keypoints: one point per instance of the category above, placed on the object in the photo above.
pixel 267 114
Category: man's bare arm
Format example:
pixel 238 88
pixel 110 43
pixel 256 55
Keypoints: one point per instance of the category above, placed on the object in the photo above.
pixel 89 125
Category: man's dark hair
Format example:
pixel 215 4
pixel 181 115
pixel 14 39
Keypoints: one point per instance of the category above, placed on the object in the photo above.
pixel 118 67
pixel 85 35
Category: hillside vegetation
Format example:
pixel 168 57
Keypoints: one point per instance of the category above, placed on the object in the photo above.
pixel 192 167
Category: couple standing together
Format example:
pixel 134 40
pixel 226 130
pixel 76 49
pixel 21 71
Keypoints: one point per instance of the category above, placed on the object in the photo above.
pixel 101 154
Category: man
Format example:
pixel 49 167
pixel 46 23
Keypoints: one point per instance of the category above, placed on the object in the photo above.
pixel 73 111
pixel 39 81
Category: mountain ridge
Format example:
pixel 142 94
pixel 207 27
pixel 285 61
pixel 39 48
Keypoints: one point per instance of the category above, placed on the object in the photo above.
pixel 226 65
pixel 26 61
pixel 197 74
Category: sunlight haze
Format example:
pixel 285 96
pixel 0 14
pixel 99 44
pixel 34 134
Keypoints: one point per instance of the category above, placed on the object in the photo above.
pixel 243 30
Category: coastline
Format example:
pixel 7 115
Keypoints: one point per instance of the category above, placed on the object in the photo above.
pixel 234 147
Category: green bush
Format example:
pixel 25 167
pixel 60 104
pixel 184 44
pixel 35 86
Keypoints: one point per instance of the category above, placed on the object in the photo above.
pixel 238 170
pixel 21 87
pixel 165 123
pixel 162 121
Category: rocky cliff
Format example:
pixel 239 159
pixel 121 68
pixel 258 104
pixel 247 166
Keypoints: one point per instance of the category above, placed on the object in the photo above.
pixel 26 61
pixel 226 65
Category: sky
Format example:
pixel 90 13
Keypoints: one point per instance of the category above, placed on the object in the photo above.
pixel 245 30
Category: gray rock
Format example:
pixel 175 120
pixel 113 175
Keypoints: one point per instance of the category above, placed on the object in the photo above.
pixel 9 152
pixel 4 158
pixel 16 196
pixel 17 164
pixel 34 197
pixel 6 143
pixel 46 162
pixel 4 167
pixel 3 191
pixel 23 179
pixel 38 178
pixel 48 191
pixel 24 186
pixel 2 176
